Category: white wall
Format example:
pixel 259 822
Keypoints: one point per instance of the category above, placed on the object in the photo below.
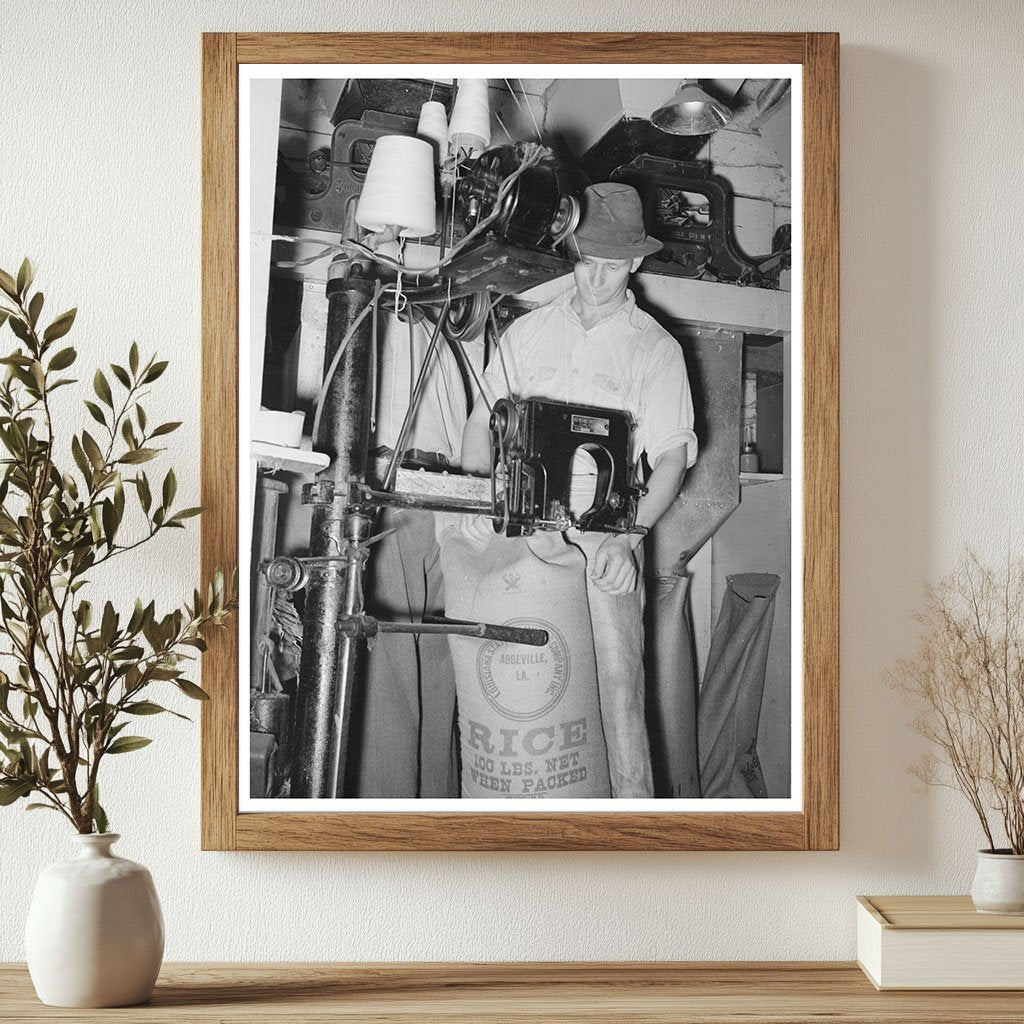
pixel 99 182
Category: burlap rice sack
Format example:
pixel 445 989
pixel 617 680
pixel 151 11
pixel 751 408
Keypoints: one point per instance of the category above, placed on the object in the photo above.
pixel 529 717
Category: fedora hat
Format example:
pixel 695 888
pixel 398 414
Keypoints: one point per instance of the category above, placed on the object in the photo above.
pixel 612 224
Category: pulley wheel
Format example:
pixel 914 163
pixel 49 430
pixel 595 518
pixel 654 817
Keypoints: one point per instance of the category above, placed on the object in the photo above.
pixel 466 317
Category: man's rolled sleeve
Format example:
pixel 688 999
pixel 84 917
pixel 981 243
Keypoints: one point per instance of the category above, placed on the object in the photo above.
pixel 666 415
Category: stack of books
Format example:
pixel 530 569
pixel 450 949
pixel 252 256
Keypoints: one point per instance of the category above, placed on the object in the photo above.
pixel 938 942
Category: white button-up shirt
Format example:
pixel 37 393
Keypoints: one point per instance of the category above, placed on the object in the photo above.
pixel 627 361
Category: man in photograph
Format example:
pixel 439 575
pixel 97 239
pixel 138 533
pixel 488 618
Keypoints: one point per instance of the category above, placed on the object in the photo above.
pixel 593 346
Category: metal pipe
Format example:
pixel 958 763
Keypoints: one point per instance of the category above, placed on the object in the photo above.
pixel 483 630
pixel 349 648
pixel 367 625
pixel 328 665
pixel 314 769
pixel 268 493
pixel 426 502
pixel 771 94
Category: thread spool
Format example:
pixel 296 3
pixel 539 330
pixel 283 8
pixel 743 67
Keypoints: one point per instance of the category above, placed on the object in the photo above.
pixel 433 125
pixel 470 126
pixel 399 187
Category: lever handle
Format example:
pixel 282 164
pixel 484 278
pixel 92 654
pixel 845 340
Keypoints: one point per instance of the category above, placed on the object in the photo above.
pixel 490 631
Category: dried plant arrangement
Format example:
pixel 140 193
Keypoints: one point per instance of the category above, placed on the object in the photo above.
pixel 967 682
pixel 81 670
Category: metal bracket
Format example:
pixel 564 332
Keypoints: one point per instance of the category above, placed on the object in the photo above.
pixel 319 492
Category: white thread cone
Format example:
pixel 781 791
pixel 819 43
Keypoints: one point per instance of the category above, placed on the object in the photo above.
pixel 399 187
pixel 470 126
pixel 433 125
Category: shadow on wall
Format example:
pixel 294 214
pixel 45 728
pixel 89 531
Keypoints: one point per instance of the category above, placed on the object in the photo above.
pixel 888 259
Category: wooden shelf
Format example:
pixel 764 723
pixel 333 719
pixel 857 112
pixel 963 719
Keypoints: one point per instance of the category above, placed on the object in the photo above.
pixel 794 993
pixel 295 460
pixel 763 311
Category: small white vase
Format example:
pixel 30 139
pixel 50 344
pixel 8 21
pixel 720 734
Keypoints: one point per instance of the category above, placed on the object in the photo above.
pixel 95 933
pixel 999 883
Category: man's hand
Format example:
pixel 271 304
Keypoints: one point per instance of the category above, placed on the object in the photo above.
pixel 614 567
pixel 476 441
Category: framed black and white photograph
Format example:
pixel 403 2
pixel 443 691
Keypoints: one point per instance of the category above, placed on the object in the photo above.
pixel 531 473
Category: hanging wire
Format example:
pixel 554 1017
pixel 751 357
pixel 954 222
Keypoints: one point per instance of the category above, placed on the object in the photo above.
pixel 529 110
pixel 501 124
pixel 328 250
pixel 497 345
pixel 451 219
pixel 374 371
pixel 399 297
pixel 520 105
pixel 411 331
pixel 467 365
pixel 421 382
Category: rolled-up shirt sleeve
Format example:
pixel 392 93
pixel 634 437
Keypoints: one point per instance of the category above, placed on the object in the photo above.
pixel 666 410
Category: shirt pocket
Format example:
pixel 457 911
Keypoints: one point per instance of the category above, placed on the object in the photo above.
pixel 537 376
pixel 610 385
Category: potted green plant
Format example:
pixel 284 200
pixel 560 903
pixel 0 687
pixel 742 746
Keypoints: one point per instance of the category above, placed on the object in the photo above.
pixel 967 682
pixel 82 671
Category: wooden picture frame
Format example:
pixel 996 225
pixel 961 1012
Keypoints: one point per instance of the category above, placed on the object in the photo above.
pixel 816 826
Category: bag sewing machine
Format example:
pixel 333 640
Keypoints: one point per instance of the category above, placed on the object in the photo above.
pixel 535 442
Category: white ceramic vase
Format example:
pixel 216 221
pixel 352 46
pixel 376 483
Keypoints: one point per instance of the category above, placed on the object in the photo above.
pixel 95 933
pixel 999 883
